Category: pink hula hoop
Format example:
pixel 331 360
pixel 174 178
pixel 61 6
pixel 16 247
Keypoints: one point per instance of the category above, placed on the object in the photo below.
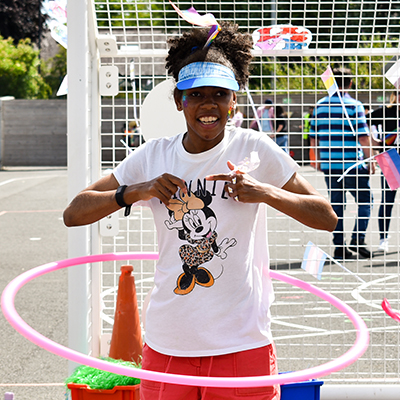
pixel 7 304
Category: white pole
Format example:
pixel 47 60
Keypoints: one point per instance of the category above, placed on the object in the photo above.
pixel 78 175
pixel 95 174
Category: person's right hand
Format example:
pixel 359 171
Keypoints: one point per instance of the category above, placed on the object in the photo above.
pixel 163 187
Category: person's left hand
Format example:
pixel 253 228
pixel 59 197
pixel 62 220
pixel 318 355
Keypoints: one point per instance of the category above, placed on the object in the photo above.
pixel 240 186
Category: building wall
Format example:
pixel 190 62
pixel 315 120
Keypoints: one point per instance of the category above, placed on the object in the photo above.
pixel 33 133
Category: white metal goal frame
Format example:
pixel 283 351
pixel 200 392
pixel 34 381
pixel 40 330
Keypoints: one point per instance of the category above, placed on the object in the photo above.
pixel 116 55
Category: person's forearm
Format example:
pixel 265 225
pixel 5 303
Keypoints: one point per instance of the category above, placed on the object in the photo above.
pixel 312 210
pixel 368 151
pixel 365 142
pixel 90 206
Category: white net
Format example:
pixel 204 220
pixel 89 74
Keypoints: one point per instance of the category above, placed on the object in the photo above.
pixel 360 35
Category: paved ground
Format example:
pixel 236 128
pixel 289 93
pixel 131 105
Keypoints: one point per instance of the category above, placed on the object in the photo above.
pixel 32 234
pixel 31 204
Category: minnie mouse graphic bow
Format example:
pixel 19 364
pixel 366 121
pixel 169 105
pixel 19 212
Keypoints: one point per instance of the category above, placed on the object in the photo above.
pixel 183 205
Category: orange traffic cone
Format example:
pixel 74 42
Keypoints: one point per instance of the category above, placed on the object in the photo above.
pixel 126 339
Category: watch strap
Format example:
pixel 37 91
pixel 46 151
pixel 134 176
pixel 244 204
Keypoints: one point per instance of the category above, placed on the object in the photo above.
pixel 119 198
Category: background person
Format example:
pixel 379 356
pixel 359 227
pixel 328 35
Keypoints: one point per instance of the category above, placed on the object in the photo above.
pixel 209 311
pixel 306 139
pixel 281 136
pixel 339 149
pixel 385 120
pixel 133 135
pixel 266 117
pixel 237 118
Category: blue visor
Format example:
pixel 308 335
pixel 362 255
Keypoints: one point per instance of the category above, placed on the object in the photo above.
pixel 200 74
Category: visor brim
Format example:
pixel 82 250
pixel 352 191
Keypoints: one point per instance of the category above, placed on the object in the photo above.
pixel 216 82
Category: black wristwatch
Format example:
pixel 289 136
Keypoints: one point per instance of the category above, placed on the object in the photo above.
pixel 119 198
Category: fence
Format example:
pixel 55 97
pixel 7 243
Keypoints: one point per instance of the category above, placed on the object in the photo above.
pixel 131 36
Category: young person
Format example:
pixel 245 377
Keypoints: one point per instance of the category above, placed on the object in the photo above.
pixel 209 311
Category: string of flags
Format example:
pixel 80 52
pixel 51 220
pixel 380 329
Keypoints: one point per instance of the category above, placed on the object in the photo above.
pixel 314 259
pixel 57 22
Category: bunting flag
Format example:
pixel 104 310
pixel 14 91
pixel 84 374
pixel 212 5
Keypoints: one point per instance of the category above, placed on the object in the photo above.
pixel 282 37
pixel 314 260
pixel 331 86
pixel 389 161
pixel 388 310
pixel 63 89
pixel 390 138
pixel 59 33
pixel 194 18
pixel 393 74
pixel 329 81
pixel 56 10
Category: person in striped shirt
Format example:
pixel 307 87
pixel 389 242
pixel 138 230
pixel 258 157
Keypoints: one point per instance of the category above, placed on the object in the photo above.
pixel 340 145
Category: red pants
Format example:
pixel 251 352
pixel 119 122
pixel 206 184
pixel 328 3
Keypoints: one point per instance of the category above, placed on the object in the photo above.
pixel 256 362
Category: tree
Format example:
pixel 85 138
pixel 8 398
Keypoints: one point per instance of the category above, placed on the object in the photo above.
pixel 21 19
pixel 19 75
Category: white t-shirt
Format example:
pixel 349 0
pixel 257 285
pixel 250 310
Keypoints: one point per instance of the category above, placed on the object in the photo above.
pixel 227 309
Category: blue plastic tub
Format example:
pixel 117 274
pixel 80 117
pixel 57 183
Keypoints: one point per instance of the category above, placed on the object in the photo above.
pixel 309 390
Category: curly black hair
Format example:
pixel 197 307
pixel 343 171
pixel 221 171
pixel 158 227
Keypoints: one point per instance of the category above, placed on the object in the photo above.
pixel 230 48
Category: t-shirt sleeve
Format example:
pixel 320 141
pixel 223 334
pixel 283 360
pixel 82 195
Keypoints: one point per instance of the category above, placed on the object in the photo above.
pixel 131 169
pixel 276 166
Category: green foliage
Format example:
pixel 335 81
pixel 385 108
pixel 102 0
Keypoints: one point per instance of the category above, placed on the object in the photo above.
pixel 285 74
pixel 139 13
pixel 98 379
pixel 157 13
pixel 335 24
pixel 19 76
pixel 55 70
